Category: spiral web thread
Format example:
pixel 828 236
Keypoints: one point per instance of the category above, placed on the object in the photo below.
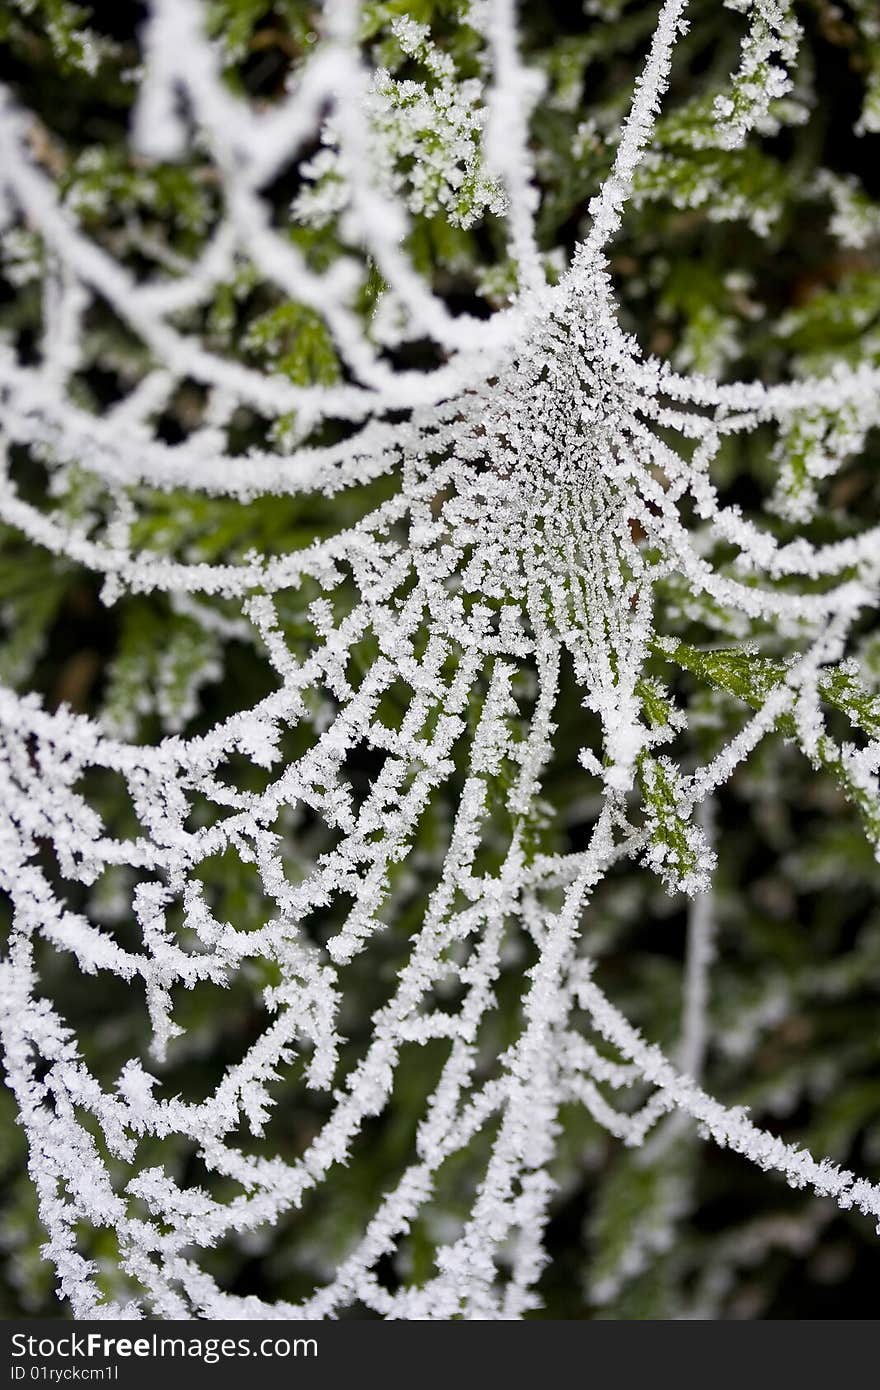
pixel 528 463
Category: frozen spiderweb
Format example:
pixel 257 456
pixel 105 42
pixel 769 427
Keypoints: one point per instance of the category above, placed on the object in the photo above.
pixel 541 495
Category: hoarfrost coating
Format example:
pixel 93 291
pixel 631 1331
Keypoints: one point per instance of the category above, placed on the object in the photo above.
pixel 548 478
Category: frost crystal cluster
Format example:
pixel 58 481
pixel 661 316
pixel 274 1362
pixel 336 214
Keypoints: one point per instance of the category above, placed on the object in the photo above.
pixel 436 522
